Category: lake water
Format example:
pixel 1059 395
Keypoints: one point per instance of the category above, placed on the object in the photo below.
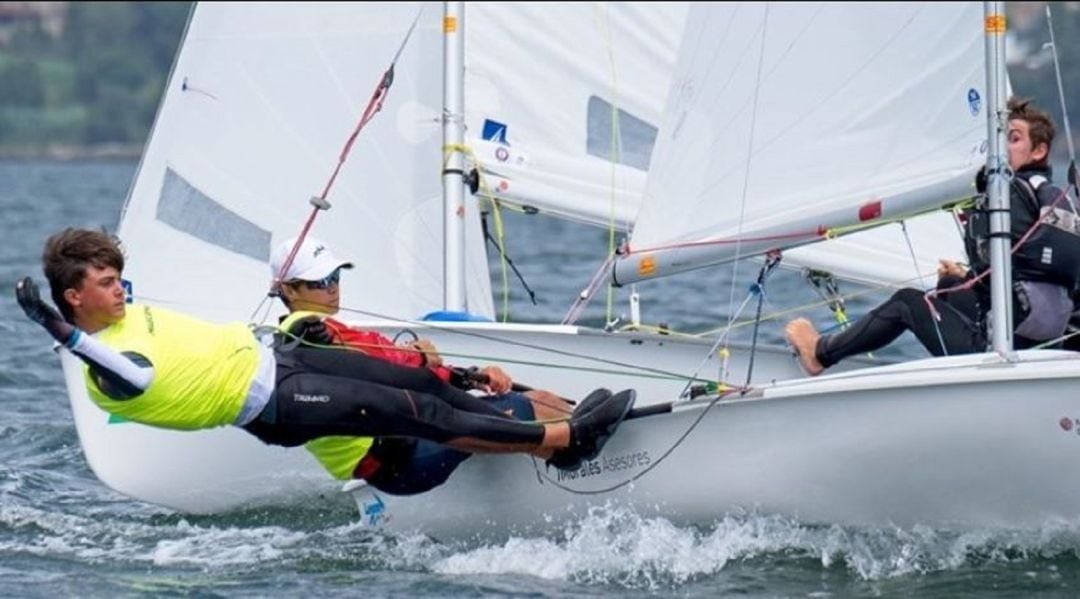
pixel 63 533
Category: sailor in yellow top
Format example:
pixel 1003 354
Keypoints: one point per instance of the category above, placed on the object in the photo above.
pixel 168 370
pixel 214 370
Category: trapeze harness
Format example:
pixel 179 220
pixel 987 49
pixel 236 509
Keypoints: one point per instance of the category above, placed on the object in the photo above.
pixel 165 369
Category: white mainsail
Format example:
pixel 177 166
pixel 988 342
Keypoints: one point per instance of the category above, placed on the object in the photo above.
pixel 787 121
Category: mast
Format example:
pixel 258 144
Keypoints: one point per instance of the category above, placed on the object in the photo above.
pixel 997 167
pixel 454 166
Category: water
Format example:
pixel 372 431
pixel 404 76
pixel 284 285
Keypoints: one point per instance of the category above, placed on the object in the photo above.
pixel 64 533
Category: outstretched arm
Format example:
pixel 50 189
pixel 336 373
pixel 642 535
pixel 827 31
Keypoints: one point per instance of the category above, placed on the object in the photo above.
pixel 118 375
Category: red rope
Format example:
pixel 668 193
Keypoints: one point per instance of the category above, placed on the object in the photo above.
pixel 820 232
pixel 374 106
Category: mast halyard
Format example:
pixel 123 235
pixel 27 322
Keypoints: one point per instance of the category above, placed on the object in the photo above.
pixel 999 173
pixel 454 164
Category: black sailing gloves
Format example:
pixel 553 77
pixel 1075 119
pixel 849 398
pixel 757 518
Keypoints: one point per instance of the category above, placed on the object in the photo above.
pixel 312 331
pixel 26 293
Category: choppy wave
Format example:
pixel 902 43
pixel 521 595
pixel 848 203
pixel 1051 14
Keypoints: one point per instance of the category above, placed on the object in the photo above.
pixel 611 547
pixel 615 546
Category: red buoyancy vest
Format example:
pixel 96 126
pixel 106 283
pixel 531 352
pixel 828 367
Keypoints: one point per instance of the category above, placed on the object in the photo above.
pixel 379 346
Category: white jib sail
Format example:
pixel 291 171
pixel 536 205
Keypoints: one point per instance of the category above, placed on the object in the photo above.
pixel 262 100
pixel 788 120
pixel 563 101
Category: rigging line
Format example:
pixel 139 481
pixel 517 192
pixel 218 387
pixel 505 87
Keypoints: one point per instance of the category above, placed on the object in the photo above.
pixel 771 261
pixel 583 298
pixel 1052 342
pixel 375 104
pixel 616 148
pixel 968 284
pixel 506 256
pixel 922 284
pixel 693 425
pixel 524 345
pixel 500 244
pixel 749 154
pixel 1064 109
pixel 737 114
pixel 824 302
pixel 822 103
pixel 738 240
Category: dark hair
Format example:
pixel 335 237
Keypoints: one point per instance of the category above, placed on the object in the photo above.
pixel 69 252
pixel 1040 127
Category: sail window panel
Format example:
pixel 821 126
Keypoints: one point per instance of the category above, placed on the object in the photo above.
pixel 183 207
pixel 634 137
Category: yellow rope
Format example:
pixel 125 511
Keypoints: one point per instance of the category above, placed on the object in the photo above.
pixel 496 205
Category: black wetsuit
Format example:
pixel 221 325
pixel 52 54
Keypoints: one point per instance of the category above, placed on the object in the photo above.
pixel 321 392
pixel 961 329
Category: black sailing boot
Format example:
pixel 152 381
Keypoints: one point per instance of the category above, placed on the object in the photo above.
pixel 567 459
pixel 590 431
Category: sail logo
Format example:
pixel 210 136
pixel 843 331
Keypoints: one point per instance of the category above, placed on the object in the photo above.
pixel 375 511
pixel 974 101
pixel 494 131
pixel 305 398
pixel 618 463
pixel 646 266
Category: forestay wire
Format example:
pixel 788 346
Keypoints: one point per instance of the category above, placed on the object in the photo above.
pixel 319 202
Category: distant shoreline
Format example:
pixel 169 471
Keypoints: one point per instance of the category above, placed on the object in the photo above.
pixel 70 152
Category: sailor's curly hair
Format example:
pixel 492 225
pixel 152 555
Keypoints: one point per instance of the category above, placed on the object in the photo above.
pixel 1041 127
pixel 69 252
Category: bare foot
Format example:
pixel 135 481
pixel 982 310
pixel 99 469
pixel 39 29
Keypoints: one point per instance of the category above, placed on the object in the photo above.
pixel 803 337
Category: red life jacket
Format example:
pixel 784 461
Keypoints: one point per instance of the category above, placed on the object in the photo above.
pixel 379 346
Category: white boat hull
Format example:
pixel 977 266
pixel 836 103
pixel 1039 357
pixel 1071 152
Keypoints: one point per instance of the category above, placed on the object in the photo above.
pixel 226 469
pixel 952 442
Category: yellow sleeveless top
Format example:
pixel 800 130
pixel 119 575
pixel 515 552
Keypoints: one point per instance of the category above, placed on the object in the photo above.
pixel 202 371
pixel 338 455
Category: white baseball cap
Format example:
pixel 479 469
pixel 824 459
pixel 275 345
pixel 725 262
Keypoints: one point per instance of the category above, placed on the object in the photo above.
pixel 313 261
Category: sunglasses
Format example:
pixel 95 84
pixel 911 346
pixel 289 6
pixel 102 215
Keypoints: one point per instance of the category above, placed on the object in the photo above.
pixel 330 280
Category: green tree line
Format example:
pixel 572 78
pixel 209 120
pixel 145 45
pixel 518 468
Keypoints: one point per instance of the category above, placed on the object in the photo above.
pixel 97 83
pixel 100 81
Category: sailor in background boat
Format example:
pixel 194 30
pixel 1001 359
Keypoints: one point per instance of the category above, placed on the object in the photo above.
pixel 1045 268
pixel 310 289
pixel 162 368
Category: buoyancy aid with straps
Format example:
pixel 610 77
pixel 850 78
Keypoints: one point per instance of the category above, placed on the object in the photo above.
pixel 1052 252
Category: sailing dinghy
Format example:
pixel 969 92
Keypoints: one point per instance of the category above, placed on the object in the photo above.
pixel 784 123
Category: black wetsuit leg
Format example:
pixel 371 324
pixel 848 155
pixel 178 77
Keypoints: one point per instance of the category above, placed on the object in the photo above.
pixel 354 364
pixel 313 398
pixel 906 310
